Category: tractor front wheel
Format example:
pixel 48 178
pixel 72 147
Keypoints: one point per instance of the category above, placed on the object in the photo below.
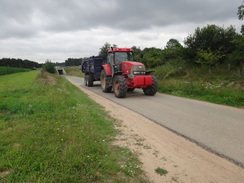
pixel 119 86
pixel 151 90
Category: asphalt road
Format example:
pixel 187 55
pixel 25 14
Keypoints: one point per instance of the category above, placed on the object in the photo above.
pixel 217 128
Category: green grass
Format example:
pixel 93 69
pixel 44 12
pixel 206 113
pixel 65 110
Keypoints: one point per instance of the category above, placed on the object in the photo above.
pixel 220 86
pixel 10 70
pixel 50 131
pixel 161 171
pixel 74 71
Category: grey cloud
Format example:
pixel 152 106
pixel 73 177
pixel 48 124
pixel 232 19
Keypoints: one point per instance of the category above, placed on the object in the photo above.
pixel 143 21
pixel 66 15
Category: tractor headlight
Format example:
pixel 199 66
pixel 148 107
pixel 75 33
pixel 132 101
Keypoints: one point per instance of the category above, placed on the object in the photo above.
pixel 138 70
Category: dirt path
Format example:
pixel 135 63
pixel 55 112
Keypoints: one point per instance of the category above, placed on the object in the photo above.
pixel 159 147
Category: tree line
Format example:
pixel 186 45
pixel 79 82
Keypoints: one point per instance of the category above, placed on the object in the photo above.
pixel 73 62
pixel 19 63
pixel 206 47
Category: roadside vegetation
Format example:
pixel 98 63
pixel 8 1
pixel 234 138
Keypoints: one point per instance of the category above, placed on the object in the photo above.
pixel 74 71
pixel 220 86
pixel 50 131
pixel 10 70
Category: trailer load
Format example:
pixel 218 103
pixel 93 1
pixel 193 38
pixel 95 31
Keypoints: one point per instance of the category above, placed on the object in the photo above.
pixel 91 67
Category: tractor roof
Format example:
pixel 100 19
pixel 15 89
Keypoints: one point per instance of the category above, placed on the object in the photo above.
pixel 120 50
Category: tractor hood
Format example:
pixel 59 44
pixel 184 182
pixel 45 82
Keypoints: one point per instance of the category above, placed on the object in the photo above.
pixel 129 67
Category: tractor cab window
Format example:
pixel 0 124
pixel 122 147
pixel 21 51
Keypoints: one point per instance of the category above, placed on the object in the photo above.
pixel 123 56
pixel 110 58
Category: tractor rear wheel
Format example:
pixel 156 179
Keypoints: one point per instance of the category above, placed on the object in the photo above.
pixel 151 90
pixel 104 82
pixel 119 86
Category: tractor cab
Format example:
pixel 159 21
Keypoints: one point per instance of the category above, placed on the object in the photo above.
pixel 118 55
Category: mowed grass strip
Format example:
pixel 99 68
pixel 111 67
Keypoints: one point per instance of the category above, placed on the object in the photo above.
pixel 50 131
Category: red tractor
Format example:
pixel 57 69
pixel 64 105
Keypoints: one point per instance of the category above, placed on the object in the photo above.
pixel 121 73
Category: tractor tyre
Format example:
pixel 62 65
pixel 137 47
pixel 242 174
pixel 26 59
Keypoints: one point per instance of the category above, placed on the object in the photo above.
pixel 119 86
pixel 90 80
pixel 86 80
pixel 151 90
pixel 104 82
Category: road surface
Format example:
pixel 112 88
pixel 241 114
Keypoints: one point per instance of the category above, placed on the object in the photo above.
pixel 217 128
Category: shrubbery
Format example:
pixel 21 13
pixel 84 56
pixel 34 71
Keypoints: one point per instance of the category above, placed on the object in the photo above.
pixel 49 67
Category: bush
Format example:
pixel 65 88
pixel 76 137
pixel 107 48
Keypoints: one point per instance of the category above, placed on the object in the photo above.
pixel 49 67
pixel 170 70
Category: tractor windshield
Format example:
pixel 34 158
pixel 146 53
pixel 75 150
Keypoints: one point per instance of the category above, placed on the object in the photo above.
pixel 123 56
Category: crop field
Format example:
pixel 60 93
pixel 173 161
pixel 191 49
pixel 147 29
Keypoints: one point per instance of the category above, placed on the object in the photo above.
pixel 10 70
pixel 50 131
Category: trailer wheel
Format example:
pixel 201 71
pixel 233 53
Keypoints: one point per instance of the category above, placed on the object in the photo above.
pixel 90 80
pixel 104 82
pixel 151 90
pixel 85 80
pixel 119 86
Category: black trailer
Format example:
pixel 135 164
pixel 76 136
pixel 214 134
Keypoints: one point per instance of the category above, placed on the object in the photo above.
pixel 91 67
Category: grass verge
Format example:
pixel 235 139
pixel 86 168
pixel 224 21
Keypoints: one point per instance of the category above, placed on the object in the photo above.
pixel 220 86
pixel 50 131
pixel 74 71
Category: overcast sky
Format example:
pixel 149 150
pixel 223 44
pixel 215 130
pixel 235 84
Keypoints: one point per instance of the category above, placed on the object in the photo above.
pixel 59 29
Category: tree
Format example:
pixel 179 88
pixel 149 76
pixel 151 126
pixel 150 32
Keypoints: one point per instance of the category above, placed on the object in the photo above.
pixel 240 14
pixel 173 44
pixel 13 62
pixel 49 67
pixel 73 62
pixel 137 53
pixel 104 49
pixel 172 51
pixel 152 57
pixel 237 56
pixel 207 58
pixel 212 38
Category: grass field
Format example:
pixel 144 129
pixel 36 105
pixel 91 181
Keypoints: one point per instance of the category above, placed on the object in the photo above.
pixel 10 70
pixel 50 131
